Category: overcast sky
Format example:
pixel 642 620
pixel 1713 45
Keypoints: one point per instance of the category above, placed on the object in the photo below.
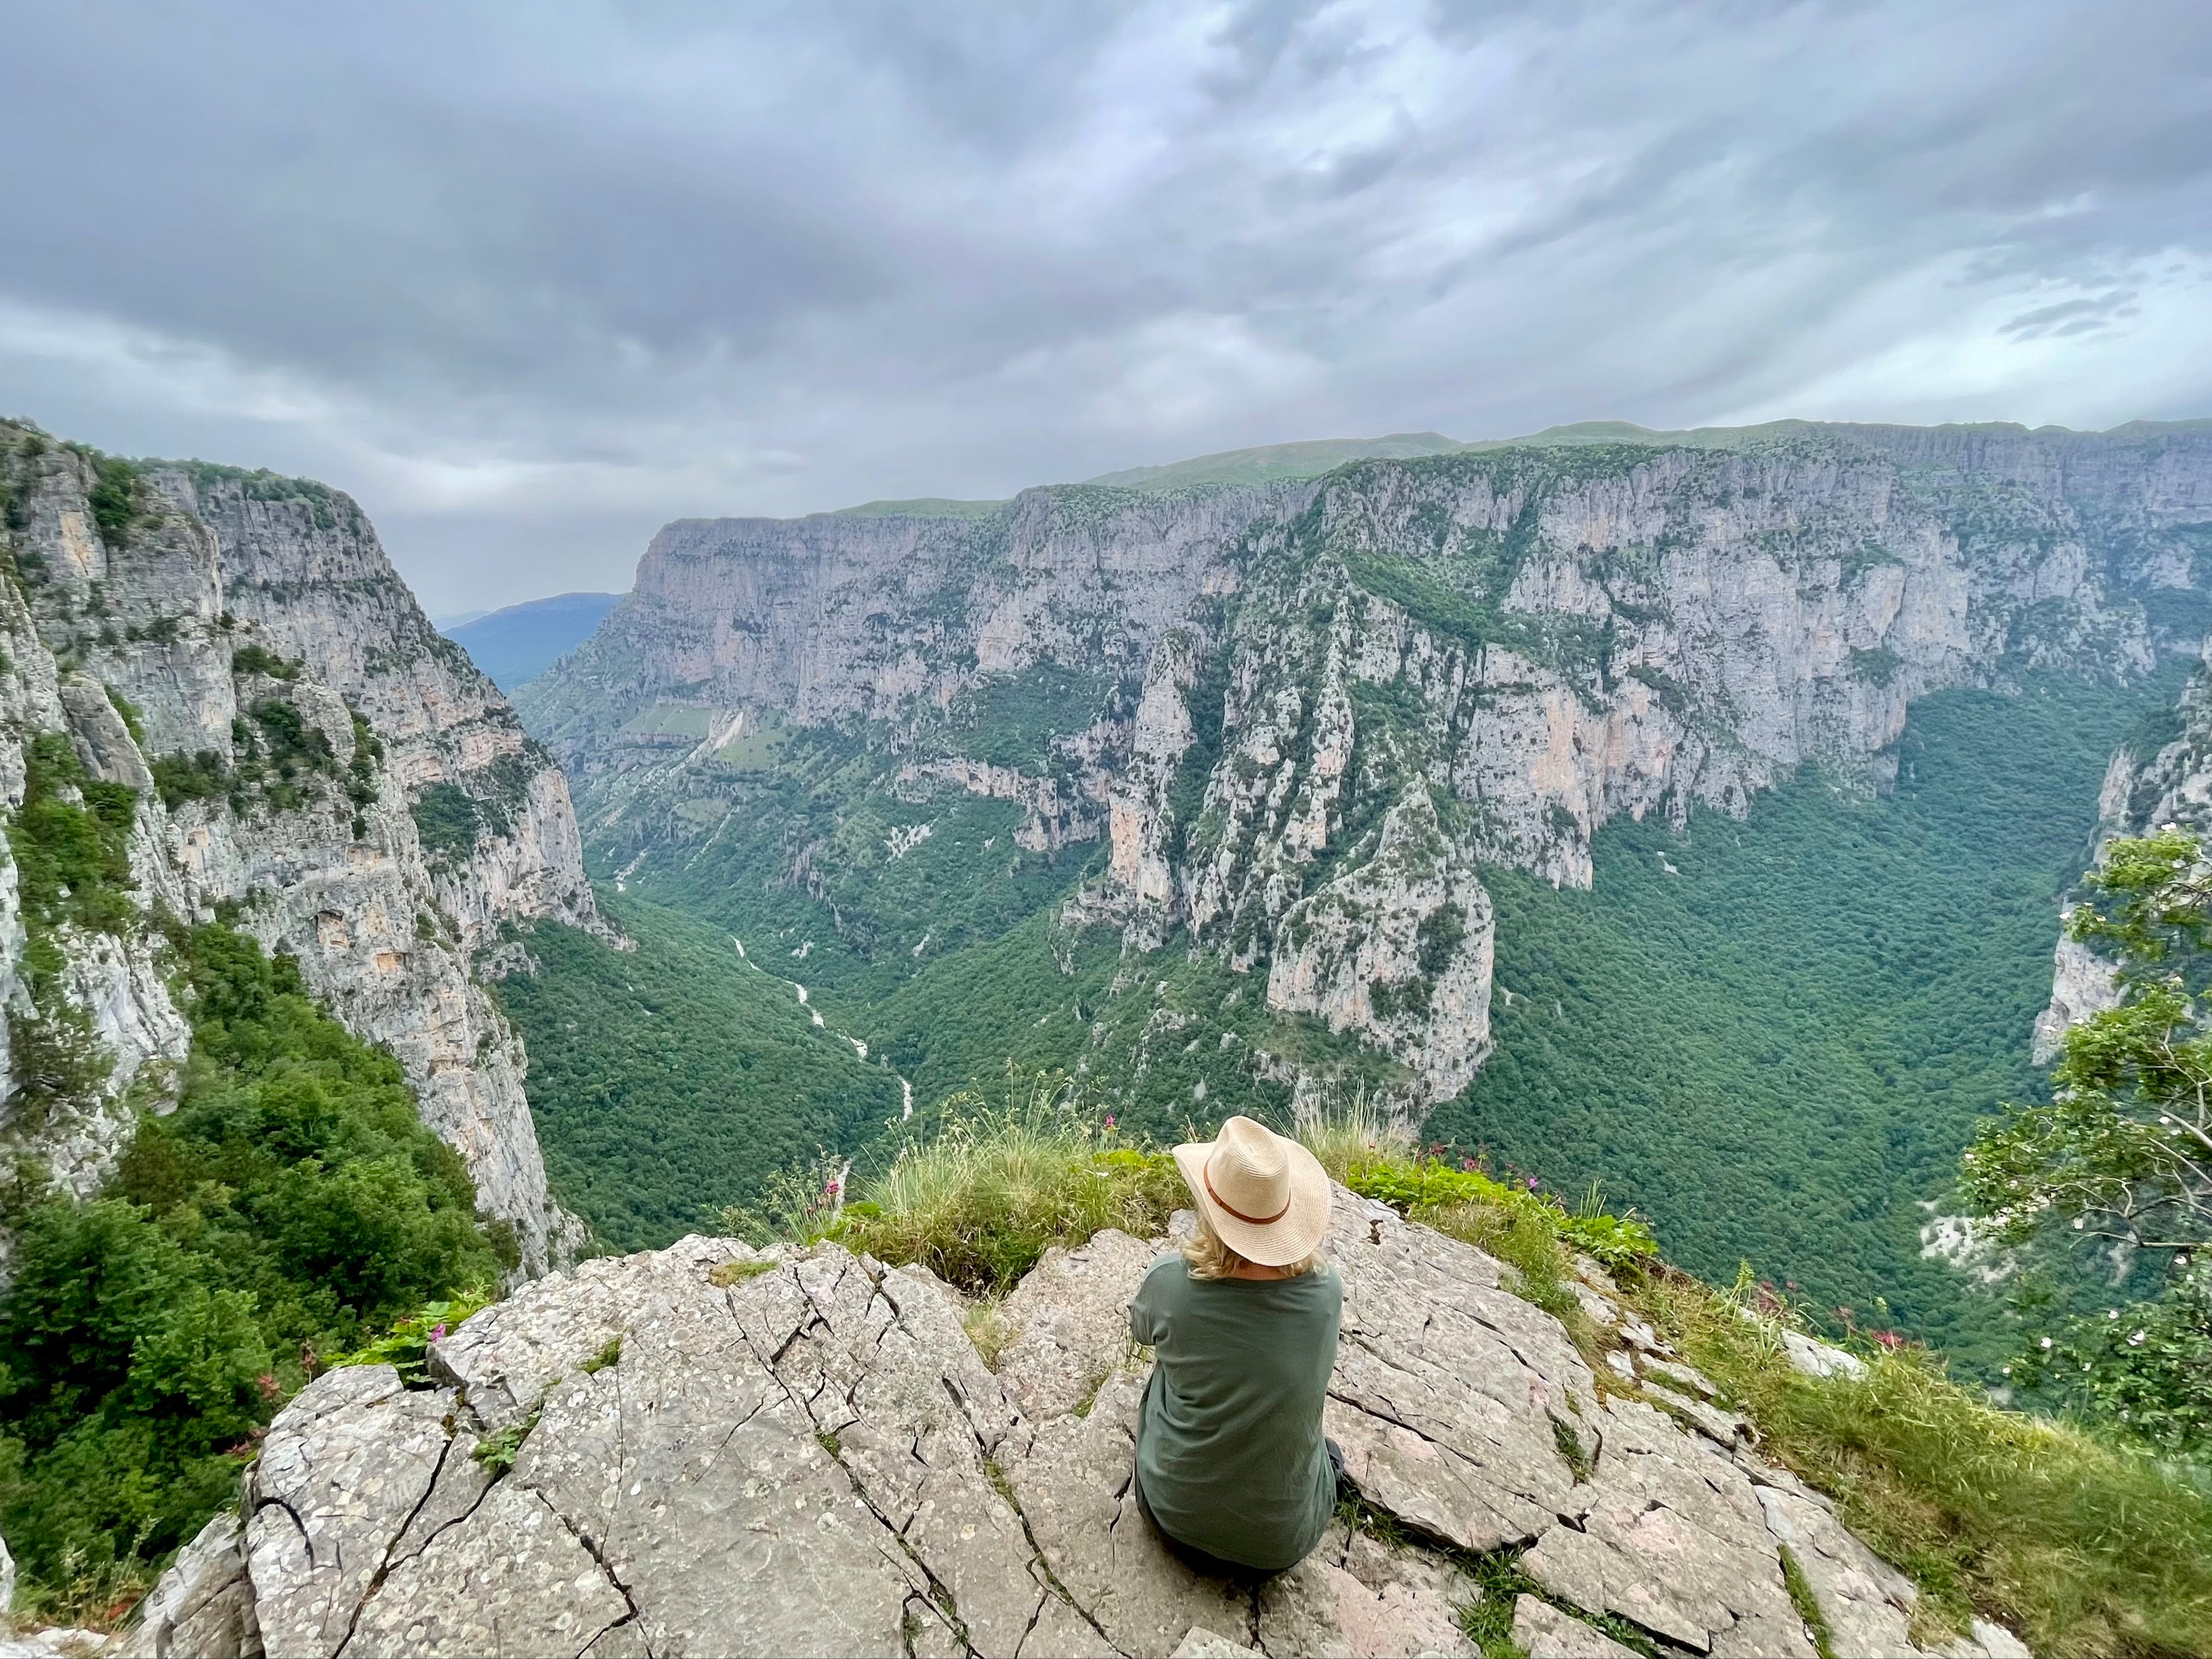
pixel 531 279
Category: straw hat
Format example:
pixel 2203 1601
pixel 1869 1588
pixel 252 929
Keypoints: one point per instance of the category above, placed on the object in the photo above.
pixel 1267 1197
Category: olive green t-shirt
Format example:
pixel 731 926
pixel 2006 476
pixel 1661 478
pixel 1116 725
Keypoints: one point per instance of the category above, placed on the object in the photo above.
pixel 1229 1444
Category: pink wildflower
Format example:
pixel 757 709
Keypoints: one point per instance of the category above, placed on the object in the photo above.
pixel 438 1332
pixel 1109 1120
pixel 1532 1183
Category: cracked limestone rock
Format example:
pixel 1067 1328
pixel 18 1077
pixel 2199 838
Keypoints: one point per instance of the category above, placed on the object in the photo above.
pixel 799 1451
pixel 1542 1631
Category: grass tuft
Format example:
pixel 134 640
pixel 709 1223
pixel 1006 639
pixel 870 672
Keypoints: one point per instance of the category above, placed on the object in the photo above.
pixel 2078 1543
pixel 724 1275
pixel 498 1453
pixel 979 1203
pixel 608 1355
pixel 988 1328
pixel 1807 1605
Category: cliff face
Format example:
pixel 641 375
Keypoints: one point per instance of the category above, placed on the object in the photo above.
pixel 1315 709
pixel 294 715
pixel 709 1451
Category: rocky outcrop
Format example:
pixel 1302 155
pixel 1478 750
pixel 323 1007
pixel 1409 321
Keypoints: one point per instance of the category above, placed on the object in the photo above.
pixel 711 1450
pixel 306 752
pixel 1530 640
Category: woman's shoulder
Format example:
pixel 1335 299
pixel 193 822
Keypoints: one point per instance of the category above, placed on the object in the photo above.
pixel 1168 1268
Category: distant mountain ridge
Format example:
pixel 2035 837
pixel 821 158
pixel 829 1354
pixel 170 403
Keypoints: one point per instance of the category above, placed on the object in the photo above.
pixel 1289 462
pixel 516 644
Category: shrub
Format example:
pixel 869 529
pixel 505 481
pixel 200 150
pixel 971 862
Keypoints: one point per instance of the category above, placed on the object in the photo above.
pixel 446 820
pixel 202 777
pixel 293 1204
pixel 134 720
pixel 252 659
pixel 71 856
pixel 113 498
pixel 405 1346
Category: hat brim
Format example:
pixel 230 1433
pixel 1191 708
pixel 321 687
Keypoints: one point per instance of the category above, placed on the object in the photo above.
pixel 1293 1236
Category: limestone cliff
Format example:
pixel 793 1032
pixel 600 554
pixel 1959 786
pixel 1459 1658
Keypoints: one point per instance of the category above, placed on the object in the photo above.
pixel 1313 709
pixel 801 1451
pixel 236 649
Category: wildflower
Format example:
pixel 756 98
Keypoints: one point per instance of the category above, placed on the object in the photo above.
pixel 267 1384
pixel 1468 1164
pixel 2112 1312
pixel 2181 1261
pixel 2046 1341
pixel 1110 1122
pixel 1532 1183
pixel 2078 1223
pixel 834 1186
pixel 2135 1338
pixel 2007 1369
pixel 438 1332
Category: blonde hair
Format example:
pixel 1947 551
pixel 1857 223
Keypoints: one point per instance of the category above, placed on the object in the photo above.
pixel 1211 1258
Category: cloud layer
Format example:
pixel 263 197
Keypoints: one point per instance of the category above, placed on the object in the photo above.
pixel 530 279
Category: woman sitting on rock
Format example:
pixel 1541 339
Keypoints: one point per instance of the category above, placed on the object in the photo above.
pixel 1231 1464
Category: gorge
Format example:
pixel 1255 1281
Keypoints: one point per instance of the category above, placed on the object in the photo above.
pixel 1203 789
pixel 1686 815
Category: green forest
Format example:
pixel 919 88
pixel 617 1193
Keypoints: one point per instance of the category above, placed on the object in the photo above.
pixel 1774 1037
pixel 670 1080
pixel 291 1205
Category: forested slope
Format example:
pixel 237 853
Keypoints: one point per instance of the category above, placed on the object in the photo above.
pixel 671 1080
pixel 1775 1036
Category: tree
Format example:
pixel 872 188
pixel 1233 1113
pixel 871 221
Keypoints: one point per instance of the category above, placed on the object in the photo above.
pixel 2122 1155
pixel 2124 1151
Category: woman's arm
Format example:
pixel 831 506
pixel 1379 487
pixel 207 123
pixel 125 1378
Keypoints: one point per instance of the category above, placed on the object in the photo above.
pixel 1146 1314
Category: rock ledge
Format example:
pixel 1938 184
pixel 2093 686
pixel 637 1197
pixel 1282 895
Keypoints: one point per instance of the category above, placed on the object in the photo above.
pixel 716 1451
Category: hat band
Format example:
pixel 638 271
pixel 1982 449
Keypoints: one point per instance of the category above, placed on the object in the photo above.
pixel 1205 1174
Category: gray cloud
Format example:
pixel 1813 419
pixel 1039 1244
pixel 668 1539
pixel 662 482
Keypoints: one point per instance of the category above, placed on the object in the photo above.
pixel 531 279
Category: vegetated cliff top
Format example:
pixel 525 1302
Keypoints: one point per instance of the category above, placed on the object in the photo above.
pixel 1310 457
